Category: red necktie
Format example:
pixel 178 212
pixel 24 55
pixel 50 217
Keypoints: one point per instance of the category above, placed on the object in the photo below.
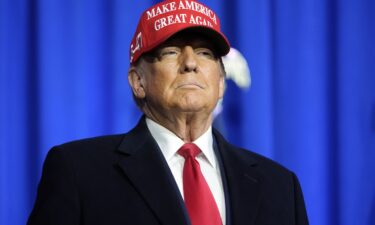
pixel 199 201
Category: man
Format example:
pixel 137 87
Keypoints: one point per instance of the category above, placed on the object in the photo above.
pixel 172 168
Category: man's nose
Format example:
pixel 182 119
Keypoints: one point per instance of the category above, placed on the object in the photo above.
pixel 188 60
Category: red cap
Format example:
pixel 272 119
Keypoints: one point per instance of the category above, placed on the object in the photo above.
pixel 166 18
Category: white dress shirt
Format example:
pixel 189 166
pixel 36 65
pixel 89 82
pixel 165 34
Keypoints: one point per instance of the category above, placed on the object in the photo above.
pixel 169 144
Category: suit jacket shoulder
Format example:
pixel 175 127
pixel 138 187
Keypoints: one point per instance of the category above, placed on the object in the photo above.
pixel 261 190
pixel 116 179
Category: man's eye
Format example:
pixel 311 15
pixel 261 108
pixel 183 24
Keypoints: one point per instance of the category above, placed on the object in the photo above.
pixel 206 53
pixel 168 52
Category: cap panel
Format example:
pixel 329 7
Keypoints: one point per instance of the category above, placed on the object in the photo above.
pixel 165 19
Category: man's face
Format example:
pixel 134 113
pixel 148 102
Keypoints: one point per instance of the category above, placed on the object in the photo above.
pixel 182 75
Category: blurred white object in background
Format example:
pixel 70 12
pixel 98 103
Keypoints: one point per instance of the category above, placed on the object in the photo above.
pixel 237 70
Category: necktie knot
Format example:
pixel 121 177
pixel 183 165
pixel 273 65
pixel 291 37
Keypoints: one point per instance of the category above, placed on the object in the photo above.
pixel 189 150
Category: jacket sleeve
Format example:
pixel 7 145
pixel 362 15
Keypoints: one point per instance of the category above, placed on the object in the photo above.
pixel 300 209
pixel 57 201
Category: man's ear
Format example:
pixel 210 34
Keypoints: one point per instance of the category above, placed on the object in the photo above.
pixel 136 82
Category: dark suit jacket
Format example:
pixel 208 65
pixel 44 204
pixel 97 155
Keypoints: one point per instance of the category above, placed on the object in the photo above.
pixel 124 179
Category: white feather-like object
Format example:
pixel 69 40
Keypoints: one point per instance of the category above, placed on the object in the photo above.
pixel 237 68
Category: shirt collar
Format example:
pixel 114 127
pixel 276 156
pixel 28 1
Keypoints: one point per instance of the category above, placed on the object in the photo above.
pixel 169 143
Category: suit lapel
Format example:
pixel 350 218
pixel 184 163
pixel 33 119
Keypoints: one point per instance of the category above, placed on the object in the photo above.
pixel 144 165
pixel 243 184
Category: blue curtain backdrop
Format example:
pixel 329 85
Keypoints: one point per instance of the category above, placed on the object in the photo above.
pixel 311 107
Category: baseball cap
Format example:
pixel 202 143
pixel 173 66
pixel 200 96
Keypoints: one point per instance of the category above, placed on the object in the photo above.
pixel 161 21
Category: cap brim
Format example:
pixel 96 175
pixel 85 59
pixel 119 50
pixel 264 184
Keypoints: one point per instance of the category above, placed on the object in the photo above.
pixel 220 42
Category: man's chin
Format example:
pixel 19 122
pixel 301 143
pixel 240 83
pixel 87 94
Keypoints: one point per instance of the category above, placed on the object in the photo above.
pixel 193 109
